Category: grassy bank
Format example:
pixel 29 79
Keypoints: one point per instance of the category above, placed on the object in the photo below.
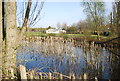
pixel 61 35
pixel 89 37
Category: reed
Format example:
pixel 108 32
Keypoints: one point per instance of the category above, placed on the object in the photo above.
pixel 64 50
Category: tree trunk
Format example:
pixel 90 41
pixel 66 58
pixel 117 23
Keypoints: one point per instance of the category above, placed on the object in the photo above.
pixel 1 38
pixel 9 36
pixel 98 35
pixel 10 41
pixel 27 14
pixel 118 12
pixel 24 26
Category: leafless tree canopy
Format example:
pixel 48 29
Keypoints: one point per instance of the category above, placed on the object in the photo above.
pixel 29 13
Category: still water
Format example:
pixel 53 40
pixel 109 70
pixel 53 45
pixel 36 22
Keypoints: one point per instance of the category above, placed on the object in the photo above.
pixel 67 58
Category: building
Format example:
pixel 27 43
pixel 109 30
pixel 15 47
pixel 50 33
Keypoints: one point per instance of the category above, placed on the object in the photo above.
pixel 55 31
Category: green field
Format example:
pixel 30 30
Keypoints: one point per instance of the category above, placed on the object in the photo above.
pixel 59 35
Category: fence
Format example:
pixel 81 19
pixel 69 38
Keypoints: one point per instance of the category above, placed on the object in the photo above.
pixel 54 75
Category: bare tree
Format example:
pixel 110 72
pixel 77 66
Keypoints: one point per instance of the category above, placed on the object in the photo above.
pixel 64 26
pixel 30 13
pixel 82 24
pixel 58 25
pixel 114 18
pixel 9 36
pixel 118 12
pixel 27 14
pixel 95 13
pixel 118 21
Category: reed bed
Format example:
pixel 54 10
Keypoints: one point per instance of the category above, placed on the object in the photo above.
pixel 84 56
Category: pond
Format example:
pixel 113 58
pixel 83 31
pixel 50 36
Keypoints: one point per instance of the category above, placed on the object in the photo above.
pixel 68 58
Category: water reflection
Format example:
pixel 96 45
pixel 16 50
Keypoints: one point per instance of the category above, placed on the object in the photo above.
pixel 66 58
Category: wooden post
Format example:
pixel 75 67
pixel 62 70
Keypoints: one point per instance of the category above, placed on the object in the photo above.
pixel 73 77
pixel 61 76
pixel 85 76
pixel 31 76
pixel 80 77
pixel 40 76
pixel 49 75
pixel 12 73
pixel 23 73
pixel 96 79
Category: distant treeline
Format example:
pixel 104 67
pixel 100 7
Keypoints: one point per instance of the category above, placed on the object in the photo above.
pixel 69 30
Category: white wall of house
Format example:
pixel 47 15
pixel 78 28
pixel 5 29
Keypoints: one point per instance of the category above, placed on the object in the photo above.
pixel 55 31
pixel 62 31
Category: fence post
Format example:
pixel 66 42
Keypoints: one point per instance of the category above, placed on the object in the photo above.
pixel 23 73
pixel 31 76
pixel 61 76
pixel 49 75
pixel 85 76
pixel 12 73
pixel 96 79
pixel 73 77
pixel 80 77
pixel 40 76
